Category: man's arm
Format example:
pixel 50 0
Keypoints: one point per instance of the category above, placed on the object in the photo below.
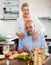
pixel 20 46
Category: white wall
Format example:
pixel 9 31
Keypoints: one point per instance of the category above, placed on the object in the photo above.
pixel 39 8
pixel 47 24
pixel 8 27
pixel 50 8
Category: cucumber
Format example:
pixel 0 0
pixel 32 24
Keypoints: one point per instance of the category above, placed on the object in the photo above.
pixel 2 39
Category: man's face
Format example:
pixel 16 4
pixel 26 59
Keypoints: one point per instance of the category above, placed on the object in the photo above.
pixel 25 11
pixel 29 28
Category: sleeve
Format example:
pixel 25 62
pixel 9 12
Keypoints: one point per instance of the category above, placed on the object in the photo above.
pixel 20 46
pixel 38 25
pixel 18 26
pixel 44 43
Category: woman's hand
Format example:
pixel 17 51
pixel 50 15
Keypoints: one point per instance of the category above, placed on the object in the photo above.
pixel 20 35
pixel 35 36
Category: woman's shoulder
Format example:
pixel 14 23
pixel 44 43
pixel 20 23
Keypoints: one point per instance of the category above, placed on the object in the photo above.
pixel 20 18
pixel 33 17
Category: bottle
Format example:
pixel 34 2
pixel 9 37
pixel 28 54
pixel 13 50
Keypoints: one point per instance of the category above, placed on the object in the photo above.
pixel 35 56
pixel 43 55
pixel 39 57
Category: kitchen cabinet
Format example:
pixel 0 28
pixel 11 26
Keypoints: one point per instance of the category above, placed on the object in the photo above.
pixel 10 9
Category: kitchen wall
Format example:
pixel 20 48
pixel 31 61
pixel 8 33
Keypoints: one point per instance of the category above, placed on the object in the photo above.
pixel 39 8
pixel 8 27
pixel 47 25
pixel 50 8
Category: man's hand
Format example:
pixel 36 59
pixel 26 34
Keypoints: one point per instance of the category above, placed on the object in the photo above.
pixel 25 49
pixel 35 36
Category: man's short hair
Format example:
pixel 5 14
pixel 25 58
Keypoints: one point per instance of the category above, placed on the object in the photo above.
pixel 24 5
pixel 30 21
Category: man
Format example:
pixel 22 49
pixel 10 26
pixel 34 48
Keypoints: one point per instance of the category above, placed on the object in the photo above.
pixel 39 28
pixel 26 44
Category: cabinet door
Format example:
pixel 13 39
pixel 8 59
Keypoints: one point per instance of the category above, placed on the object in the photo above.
pixel 11 9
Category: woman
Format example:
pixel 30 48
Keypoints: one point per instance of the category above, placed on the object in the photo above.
pixel 39 28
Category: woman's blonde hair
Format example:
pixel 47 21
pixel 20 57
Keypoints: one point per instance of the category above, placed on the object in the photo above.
pixel 24 5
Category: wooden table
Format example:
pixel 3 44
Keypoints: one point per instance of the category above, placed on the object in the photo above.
pixel 19 62
pixel 12 62
pixel 48 62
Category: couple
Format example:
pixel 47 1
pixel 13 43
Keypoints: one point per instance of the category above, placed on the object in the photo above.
pixel 37 26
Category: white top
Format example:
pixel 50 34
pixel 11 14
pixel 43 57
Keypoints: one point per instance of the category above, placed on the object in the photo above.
pixel 21 28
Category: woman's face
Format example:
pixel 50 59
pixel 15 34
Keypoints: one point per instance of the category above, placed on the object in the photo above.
pixel 25 11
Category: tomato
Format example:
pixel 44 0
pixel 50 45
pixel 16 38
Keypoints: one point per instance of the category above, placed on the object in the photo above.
pixel 19 51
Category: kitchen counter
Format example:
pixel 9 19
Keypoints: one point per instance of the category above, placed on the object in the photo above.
pixel 20 62
pixel 48 62
pixel 6 43
pixel 12 62
pixel 9 44
pixel 10 40
pixel 48 39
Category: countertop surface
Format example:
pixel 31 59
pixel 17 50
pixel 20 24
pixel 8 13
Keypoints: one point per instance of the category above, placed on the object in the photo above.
pixel 20 62
pixel 48 39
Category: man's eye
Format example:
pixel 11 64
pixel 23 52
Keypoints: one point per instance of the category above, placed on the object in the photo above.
pixel 28 27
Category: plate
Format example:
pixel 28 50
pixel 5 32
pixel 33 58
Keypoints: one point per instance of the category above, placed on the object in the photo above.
pixel 2 56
